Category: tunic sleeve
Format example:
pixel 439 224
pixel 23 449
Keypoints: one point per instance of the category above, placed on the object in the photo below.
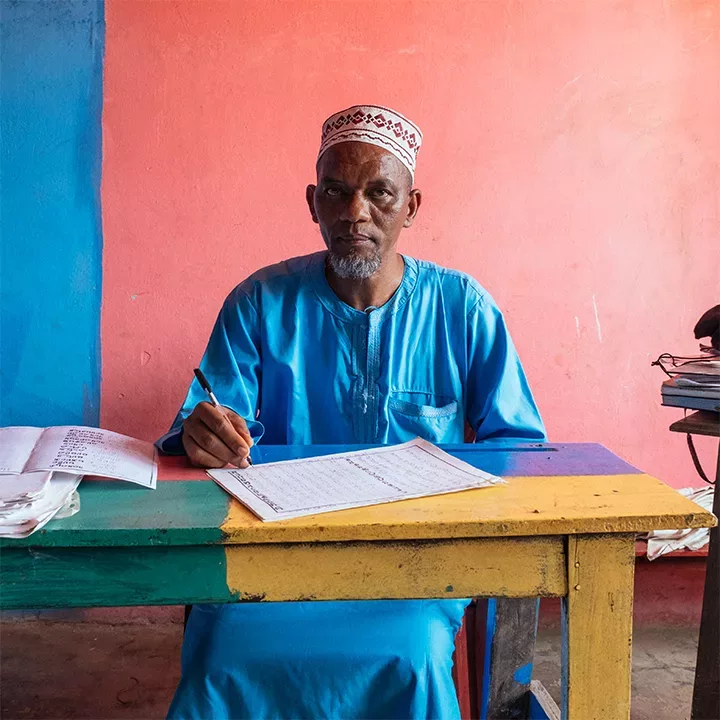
pixel 499 403
pixel 232 365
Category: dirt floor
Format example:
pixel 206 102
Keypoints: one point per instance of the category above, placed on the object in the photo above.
pixel 98 671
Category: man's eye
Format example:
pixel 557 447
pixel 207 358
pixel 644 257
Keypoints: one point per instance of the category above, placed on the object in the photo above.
pixel 380 193
pixel 333 191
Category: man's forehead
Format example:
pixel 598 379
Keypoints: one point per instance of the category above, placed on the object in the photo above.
pixel 359 159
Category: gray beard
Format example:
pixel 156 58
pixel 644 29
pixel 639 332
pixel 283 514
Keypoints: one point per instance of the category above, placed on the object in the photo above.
pixel 354 267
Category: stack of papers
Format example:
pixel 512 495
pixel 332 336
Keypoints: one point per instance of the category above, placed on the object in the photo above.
pixel 695 386
pixel 40 469
pixel 295 488
pixel 30 500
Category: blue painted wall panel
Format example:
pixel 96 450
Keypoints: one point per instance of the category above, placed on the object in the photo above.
pixel 51 59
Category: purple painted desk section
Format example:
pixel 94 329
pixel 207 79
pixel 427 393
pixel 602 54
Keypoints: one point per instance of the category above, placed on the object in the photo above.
pixel 538 460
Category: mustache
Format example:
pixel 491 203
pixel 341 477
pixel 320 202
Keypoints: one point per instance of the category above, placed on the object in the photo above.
pixel 354 237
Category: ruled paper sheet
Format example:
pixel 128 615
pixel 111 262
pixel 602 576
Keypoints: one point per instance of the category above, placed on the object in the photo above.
pixel 294 488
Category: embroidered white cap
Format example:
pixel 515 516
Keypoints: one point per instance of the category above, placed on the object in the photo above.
pixel 376 125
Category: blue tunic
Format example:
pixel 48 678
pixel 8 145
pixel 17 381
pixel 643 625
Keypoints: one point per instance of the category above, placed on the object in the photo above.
pixel 302 367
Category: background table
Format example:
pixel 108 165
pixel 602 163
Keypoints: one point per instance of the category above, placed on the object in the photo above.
pixel 564 526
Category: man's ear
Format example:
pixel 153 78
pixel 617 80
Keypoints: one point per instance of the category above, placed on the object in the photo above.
pixel 310 197
pixel 413 206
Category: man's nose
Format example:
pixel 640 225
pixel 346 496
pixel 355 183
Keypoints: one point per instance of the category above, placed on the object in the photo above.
pixel 357 209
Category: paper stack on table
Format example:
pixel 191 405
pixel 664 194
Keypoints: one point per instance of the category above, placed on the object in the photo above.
pixel 40 468
pixel 29 500
pixel 693 385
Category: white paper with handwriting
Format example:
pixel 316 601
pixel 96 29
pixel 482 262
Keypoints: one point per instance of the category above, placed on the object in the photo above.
pixel 295 488
pixel 78 451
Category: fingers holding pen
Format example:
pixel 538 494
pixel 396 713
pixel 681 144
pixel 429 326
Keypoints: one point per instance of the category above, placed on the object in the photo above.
pixel 216 439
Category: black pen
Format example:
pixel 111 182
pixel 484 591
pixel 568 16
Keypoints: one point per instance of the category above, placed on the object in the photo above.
pixel 205 385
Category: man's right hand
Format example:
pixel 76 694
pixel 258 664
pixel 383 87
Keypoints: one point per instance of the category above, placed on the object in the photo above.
pixel 212 441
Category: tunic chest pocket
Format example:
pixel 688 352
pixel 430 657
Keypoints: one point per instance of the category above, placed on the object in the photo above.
pixel 434 418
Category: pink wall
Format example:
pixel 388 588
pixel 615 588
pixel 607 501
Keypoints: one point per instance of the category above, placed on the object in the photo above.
pixel 571 164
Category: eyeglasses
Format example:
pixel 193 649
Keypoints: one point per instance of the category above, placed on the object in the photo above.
pixel 672 364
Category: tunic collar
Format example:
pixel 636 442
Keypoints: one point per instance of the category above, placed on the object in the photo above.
pixel 342 310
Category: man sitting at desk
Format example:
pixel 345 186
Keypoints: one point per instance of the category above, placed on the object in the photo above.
pixel 355 344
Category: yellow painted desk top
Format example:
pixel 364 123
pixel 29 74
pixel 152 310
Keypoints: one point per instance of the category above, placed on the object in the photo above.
pixel 526 506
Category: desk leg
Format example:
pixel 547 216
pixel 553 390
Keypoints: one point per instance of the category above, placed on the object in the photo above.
pixel 509 640
pixel 597 627
pixel 706 694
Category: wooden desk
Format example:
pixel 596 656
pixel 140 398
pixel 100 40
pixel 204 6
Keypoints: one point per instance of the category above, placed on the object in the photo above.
pixel 564 526
pixel 706 694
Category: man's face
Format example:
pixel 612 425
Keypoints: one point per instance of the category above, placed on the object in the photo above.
pixel 362 201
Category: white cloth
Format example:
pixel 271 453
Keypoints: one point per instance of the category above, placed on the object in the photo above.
pixel 662 542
